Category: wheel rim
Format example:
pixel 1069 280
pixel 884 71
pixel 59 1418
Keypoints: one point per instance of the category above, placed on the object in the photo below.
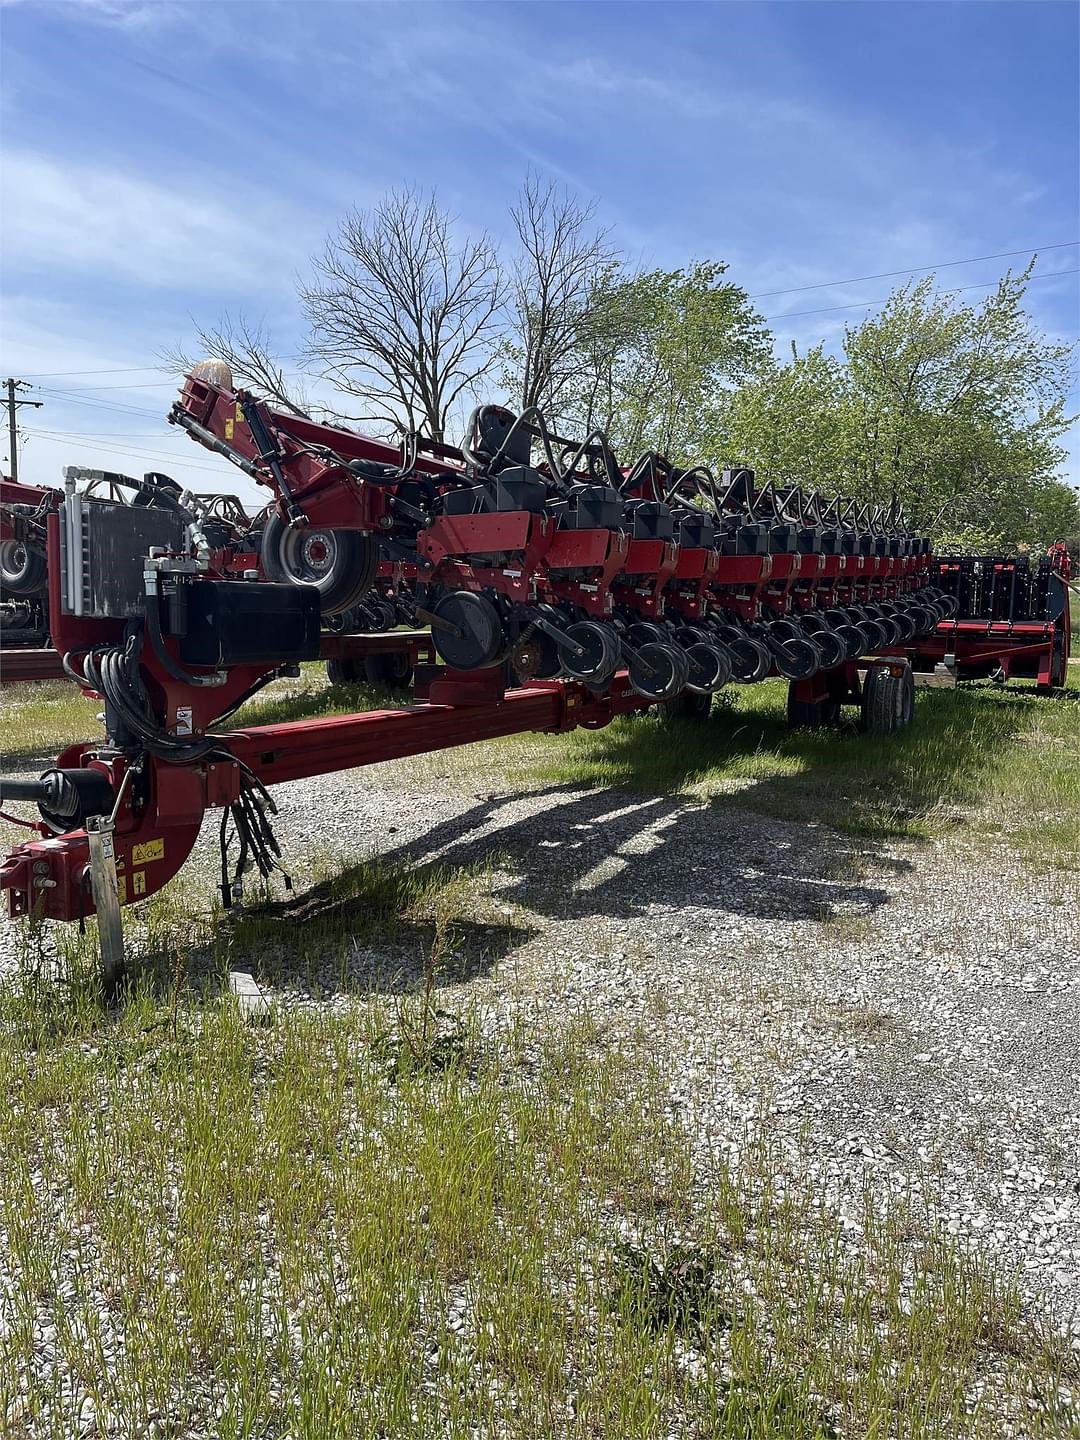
pixel 309 556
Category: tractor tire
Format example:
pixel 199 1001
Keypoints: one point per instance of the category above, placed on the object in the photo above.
pixel 342 672
pixel 339 564
pixel 888 701
pixel 23 570
pixel 392 672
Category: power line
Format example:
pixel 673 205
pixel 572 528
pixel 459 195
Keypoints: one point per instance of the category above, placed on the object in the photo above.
pixel 913 269
pixel 865 304
pixel 71 398
pixel 129 450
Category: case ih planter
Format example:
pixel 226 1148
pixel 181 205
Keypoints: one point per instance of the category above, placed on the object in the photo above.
pixel 561 588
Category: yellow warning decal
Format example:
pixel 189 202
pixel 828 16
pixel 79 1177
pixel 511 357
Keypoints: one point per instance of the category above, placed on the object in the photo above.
pixel 121 889
pixel 239 411
pixel 147 851
pixel 138 883
pixel 230 426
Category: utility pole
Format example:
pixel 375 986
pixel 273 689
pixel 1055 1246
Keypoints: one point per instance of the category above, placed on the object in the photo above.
pixel 13 404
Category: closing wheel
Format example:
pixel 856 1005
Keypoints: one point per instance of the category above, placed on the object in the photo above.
pixel 597 652
pixel 796 659
pixel 658 671
pixel 751 661
pixel 339 564
pixel 710 667
pixel 390 672
pixel 22 568
pixel 471 635
pixel 832 647
pixel 381 615
pixel 904 623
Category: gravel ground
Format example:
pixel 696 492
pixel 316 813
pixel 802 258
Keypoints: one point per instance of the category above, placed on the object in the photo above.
pixel 903 1015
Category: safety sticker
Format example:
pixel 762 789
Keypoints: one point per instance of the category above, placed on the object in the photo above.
pixel 147 851
pixel 138 883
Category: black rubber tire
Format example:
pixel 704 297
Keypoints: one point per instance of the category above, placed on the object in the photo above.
pixel 392 671
pixel 348 575
pixel 342 672
pixel 381 615
pixel 601 652
pixel 832 647
pixel 751 661
pixel 23 570
pixel 658 671
pixel 888 702
pixel 797 659
pixel 710 666
pixel 479 641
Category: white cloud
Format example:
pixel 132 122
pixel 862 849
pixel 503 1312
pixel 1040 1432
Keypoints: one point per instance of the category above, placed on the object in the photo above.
pixel 75 217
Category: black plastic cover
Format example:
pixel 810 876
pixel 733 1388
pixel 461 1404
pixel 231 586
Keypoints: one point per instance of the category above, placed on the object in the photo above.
pixel 241 622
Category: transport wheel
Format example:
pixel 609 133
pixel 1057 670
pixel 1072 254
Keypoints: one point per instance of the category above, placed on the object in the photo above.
pixel 797 659
pixel 342 672
pixel 1058 665
pixel 339 564
pixel 888 700
pixel 599 657
pixel 472 637
pixel 710 667
pixel 22 568
pixel 687 706
pixel 389 672
pixel 658 671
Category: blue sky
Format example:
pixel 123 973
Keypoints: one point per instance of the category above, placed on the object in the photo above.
pixel 166 161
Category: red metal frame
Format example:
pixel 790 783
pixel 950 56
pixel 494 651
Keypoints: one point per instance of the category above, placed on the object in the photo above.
pixel 160 815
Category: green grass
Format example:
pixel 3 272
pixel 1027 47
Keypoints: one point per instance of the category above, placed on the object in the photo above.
pixel 1002 763
pixel 39 719
pixel 269 1231
pixel 1005 763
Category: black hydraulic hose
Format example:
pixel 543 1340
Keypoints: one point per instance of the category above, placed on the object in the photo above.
pixel 180 417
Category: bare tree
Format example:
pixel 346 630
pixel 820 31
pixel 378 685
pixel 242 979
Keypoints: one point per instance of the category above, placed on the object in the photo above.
pixel 402 314
pixel 248 351
pixel 555 287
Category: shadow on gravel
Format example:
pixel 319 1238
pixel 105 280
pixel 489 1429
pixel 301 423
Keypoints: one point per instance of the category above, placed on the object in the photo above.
pixel 607 852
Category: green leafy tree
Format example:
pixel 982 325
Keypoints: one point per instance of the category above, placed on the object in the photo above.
pixel 659 356
pixel 952 411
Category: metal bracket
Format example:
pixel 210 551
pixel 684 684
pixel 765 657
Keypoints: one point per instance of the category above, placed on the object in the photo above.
pixel 106 893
